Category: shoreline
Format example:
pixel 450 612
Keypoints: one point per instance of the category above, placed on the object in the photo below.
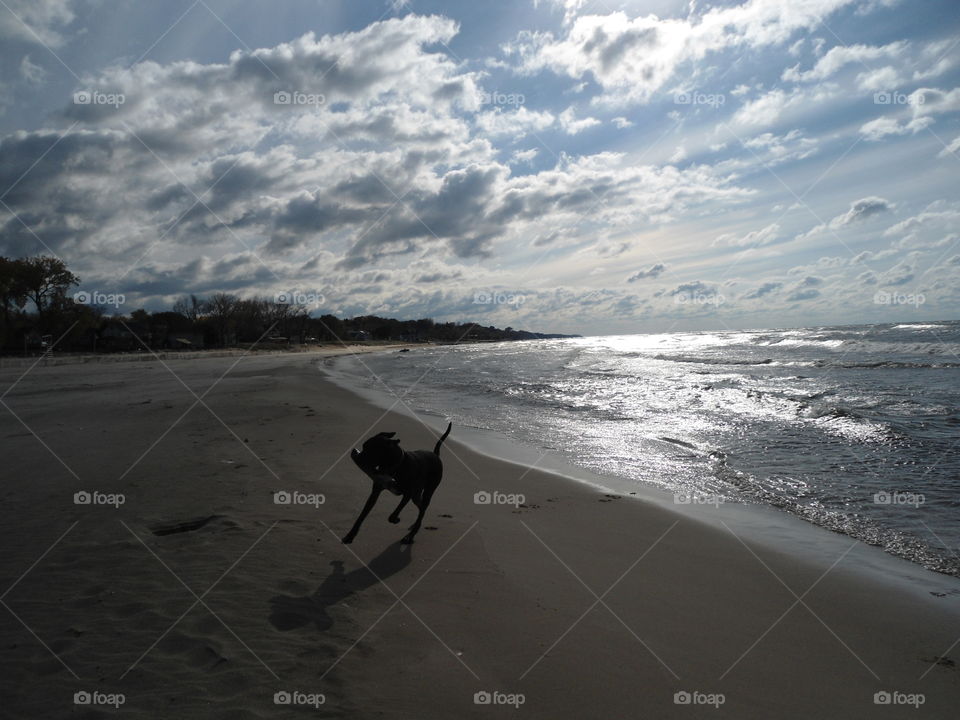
pixel 764 524
pixel 332 350
pixel 585 605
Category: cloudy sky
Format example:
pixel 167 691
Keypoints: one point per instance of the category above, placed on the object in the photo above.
pixel 589 166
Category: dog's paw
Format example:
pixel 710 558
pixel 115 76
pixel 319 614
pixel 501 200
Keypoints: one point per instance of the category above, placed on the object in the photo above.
pixel 347 540
pixel 393 519
pixel 407 540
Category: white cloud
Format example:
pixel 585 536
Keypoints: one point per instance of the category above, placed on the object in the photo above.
pixel 524 156
pixel 923 104
pixel 940 56
pixel 571 125
pixel 518 122
pixel 36 21
pixel 764 110
pixel 948 218
pixel 839 56
pixel 884 126
pixel 900 274
pixel 860 210
pixel 31 72
pixel 951 148
pixel 882 79
pixel 765 151
pixel 778 106
pixel 632 58
pixel 793 145
pixel 755 238
pixel 570 7
pixel 933 101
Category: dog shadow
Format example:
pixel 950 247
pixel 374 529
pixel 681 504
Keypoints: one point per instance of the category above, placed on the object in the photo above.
pixel 289 612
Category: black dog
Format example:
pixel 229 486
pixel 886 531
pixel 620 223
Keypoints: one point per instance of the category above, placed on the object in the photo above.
pixel 414 475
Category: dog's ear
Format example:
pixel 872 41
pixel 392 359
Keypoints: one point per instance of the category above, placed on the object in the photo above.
pixel 386 434
pixel 396 441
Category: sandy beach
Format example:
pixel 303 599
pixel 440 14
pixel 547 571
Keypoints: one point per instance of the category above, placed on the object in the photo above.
pixel 182 589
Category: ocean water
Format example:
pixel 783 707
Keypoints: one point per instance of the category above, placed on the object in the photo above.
pixel 851 428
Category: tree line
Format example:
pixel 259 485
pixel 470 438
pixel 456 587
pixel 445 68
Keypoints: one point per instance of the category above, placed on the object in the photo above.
pixel 40 309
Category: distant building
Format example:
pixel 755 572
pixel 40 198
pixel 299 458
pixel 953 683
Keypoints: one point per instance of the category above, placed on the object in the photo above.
pixel 184 341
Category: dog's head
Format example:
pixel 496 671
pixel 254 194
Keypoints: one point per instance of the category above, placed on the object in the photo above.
pixel 381 454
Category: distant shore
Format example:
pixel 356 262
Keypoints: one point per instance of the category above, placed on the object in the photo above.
pixel 578 603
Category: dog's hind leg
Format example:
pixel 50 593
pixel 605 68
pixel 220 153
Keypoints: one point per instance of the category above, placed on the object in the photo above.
pixel 422 505
pixel 368 506
pixel 408 538
pixel 395 515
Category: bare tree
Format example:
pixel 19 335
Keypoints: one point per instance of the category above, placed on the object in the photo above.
pixel 190 306
pixel 222 309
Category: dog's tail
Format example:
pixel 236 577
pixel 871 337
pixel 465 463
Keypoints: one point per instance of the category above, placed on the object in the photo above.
pixel 436 448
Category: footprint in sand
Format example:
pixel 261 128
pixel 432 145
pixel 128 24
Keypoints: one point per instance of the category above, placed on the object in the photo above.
pixel 523 507
pixel 941 661
pixel 609 498
pixel 198 652
pixel 185 526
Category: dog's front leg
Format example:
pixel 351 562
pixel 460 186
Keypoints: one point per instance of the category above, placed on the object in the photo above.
pixel 368 506
pixel 395 515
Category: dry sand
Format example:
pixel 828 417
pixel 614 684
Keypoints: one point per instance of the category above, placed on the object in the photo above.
pixel 201 597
